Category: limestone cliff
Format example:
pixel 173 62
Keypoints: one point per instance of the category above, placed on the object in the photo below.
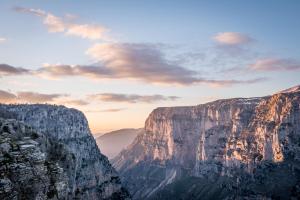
pixel 232 145
pixel 87 173
pixel 29 168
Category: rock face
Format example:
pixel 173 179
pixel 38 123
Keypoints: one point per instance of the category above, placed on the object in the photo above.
pixel 112 143
pixel 29 169
pixel 226 149
pixel 85 172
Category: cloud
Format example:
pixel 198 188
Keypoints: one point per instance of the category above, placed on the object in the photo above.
pixel 57 24
pixel 274 64
pixel 131 98
pixel 232 38
pixel 58 70
pixel 147 63
pixel 132 61
pixel 143 62
pixel 37 12
pixel 113 110
pixel 224 83
pixel 92 32
pixel 28 97
pixel 54 24
pixel 34 97
pixel 7 97
pixel 2 39
pixel 76 102
pixel 6 70
pixel 106 110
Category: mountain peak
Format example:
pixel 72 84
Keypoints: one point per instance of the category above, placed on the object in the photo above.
pixel 291 90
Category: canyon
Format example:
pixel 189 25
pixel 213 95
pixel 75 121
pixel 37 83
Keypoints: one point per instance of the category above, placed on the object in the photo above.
pixel 240 148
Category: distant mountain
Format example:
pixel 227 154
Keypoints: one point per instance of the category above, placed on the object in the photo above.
pixel 114 142
pixel 242 148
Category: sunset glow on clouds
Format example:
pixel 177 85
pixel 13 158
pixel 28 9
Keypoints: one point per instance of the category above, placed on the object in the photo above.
pixel 231 38
pixel 56 24
pixel 2 39
pixel 275 64
pixel 113 63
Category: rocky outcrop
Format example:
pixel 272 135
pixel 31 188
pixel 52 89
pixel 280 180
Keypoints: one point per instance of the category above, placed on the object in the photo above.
pixel 29 169
pixel 232 148
pixel 88 173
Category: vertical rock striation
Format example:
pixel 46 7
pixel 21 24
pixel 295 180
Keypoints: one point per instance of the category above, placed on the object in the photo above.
pixel 232 144
pixel 88 173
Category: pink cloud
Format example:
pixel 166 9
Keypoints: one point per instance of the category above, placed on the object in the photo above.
pixel 275 64
pixel 232 38
pixel 57 24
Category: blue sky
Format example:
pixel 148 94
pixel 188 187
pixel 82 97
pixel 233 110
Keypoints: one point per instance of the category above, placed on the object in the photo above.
pixel 149 53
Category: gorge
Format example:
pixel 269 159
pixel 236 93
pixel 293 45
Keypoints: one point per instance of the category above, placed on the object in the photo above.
pixel 241 148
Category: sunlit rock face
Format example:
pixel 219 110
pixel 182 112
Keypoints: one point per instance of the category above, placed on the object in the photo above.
pixel 88 174
pixel 233 144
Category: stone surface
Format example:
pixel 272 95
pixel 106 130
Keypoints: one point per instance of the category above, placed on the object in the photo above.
pixel 246 148
pixel 88 174
pixel 27 169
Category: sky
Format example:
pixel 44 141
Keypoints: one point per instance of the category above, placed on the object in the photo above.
pixel 116 61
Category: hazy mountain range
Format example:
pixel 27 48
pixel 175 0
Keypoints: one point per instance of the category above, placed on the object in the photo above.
pixel 112 143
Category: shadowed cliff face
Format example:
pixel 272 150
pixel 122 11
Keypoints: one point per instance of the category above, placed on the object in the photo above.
pixel 233 142
pixel 88 174
pixel 31 164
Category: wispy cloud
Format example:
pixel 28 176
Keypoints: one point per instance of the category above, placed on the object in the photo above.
pixel 28 97
pixel 232 38
pixel 106 110
pixel 7 97
pixel 131 98
pixel 57 24
pixel 76 102
pixel 34 97
pixel 6 70
pixel 59 70
pixel 65 99
pixel 275 64
pixel 224 83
